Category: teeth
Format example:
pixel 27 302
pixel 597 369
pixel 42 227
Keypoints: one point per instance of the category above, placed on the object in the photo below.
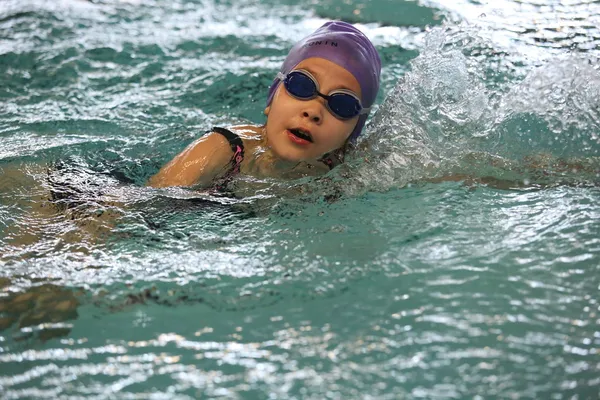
pixel 302 134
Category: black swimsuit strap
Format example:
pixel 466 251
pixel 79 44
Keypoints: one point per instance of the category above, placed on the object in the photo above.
pixel 237 146
pixel 332 159
pixel 234 140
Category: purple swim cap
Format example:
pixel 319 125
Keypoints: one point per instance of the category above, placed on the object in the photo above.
pixel 346 46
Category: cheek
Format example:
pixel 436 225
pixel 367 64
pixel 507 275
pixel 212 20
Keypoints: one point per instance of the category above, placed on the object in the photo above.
pixel 278 98
pixel 277 107
pixel 344 130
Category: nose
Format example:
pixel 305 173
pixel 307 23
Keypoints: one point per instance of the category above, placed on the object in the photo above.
pixel 313 111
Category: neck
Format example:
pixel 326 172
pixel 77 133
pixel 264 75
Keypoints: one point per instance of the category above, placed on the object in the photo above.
pixel 267 160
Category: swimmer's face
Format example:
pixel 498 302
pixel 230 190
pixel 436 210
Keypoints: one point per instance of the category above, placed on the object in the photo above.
pixel 325 132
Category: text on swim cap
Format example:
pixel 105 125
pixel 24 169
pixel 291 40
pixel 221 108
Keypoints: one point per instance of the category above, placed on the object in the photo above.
pixel 321 42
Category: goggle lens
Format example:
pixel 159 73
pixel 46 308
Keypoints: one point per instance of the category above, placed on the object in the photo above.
pixel 344 105
pixel 301 86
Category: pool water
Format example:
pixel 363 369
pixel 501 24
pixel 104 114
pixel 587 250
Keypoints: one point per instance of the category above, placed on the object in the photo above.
pixel 455 255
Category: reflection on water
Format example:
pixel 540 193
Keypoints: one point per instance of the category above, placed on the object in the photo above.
pixel 43 311
pixel 544 27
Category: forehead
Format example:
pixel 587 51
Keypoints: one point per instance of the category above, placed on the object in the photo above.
pixel 330 75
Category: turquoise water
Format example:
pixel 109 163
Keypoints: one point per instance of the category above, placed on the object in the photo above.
pixel 456 255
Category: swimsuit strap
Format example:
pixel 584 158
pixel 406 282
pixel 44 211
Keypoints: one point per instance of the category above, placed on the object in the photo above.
pixel 237 146
pixel 328 161
pixel 333 159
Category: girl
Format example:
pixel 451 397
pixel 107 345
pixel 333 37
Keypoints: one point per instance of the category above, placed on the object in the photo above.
pixel 316 106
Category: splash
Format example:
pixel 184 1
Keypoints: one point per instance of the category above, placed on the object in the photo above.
pixel 555 109
pixel 465 108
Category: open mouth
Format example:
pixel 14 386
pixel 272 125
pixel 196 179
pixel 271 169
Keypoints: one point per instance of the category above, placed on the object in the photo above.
pixel 301 134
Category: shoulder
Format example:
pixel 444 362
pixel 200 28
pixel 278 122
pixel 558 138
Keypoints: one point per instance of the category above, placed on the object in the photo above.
pixel 236 133
pixel 212 147
pixel 230 136
pixel 199 163
pixel 247 132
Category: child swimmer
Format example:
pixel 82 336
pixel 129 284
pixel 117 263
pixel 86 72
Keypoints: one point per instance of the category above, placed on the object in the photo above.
pixel 330 81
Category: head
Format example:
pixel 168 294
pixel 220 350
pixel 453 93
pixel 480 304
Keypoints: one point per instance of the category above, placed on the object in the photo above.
pixel 339 58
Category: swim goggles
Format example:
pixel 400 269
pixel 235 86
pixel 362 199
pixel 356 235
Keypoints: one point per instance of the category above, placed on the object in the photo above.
pixel 342 103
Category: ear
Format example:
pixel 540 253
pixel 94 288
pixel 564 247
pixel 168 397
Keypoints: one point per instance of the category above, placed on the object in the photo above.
pixel 267 109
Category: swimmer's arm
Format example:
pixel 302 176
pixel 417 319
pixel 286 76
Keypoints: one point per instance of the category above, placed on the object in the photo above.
pixel 199 164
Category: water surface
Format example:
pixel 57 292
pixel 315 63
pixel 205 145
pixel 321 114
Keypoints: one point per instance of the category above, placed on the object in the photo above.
pixel 456 254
